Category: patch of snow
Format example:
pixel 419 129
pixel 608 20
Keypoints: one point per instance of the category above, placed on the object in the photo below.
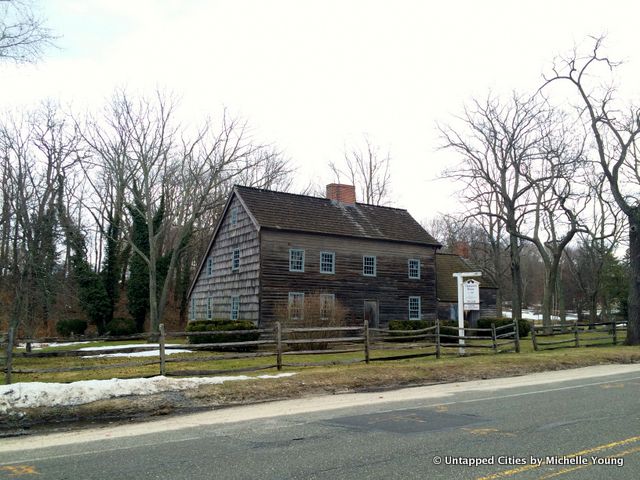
pixel 146 353
pixel 41 394
pixel 128 345
pixel 38 346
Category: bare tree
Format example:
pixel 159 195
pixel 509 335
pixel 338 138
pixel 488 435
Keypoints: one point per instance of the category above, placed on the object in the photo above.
pixel 615 129
pixel 23 33
pixel 498 143
pixel 367 169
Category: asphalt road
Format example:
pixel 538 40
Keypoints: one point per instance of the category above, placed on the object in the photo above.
pixel 573 423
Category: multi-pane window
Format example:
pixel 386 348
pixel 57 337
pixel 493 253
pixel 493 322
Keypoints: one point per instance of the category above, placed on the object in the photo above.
pixel 296 260
pixel 209 308
pixel 209 267
pixel 233 220
pixel 414 308
pixel 327 304
pixel 327 262
pixel 414 268
pixel 235 308
pixel 296 306
pixel 192 311
pixel 235 260
pixel 369 266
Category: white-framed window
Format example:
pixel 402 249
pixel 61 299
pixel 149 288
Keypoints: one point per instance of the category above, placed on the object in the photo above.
pixel 233 217
pixel 369 266
pixel 209 308
pixel 209 267
pixel 414 268
pixel 296 260
pixel 327 305
pixel 296 305
pixel 327 262
pixel 415 309
pixel 235 260
pixel 235 308
pixel 192 310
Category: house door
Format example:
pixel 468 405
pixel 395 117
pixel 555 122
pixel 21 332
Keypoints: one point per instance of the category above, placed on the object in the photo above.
pixel 371 313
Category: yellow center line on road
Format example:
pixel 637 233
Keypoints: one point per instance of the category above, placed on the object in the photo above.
pixel 568 470
pixel 607 446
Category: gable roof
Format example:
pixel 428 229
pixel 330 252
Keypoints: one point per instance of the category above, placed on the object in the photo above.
pixel 446 284
pixel 303 213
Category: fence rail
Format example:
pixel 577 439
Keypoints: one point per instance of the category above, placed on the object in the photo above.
pixel 283 344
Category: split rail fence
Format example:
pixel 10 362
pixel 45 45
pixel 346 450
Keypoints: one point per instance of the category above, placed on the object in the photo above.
pixel 575 335
pixel 280 346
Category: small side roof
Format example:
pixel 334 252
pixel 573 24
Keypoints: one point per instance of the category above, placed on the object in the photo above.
pixel 446 285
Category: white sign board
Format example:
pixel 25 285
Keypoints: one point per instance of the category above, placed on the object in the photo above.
pixel 471 295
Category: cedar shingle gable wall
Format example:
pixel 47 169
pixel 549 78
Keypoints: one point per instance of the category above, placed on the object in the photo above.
pixel 301 213
pixel 447 287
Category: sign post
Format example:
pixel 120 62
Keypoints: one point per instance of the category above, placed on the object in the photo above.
pixel 474 293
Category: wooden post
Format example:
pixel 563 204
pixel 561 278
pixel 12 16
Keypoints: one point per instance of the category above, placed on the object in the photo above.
pixel 575 330
pixel 517 335
pixel 7 377
pixel 614 332
pixel 28 348
pixel 437 338
pixel 278 346
pixel 533 337
pixel 366 342
pixel 162 355
pixel 493 337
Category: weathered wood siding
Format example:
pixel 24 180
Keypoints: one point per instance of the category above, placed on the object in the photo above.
pixel 391 287
pixel 449 310
pixel 225 283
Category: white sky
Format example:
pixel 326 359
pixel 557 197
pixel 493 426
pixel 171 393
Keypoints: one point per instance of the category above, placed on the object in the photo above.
pixel 313 76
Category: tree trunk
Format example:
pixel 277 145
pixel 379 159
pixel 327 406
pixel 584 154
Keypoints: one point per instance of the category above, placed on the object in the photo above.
pixel 633 326
pixel 516 278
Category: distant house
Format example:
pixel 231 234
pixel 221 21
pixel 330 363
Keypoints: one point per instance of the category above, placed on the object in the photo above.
pixel 270 250
pixel 447 289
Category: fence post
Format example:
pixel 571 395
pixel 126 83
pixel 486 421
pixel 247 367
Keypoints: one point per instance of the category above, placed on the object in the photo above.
pixel 28 347
pixel 162 355
pixel 493 337
pixel 437 338
pixel 7 377
pixel 533 337
pixel 366 342
pixel 575 330
pixel 615 332
pixel 517 334
pixel 278 346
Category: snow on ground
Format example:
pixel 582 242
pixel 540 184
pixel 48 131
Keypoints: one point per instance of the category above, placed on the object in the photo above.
pixel 40 394
pixel 146 353
pixel 529 315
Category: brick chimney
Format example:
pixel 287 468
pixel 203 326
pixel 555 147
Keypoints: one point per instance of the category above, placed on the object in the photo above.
pixel 462 249
pixel 342 193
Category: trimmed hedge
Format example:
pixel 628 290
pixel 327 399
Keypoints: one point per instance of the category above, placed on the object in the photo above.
pixel 225 332
pixel 71 326
pixel 121 326
pixel 524 327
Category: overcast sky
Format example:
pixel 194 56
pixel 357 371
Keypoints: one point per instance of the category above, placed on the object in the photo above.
pixel 314 76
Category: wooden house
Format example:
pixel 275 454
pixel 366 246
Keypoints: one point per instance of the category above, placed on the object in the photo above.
pixel 447 289
pixel 270 250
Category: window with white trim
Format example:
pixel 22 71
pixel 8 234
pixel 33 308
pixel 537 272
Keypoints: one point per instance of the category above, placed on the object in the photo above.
pixel 369 266
pixel 296 305
pixel 414 268
pixel 235 260
pixel 296 260
pixel 233 217
pixel 327 305
pixel 209 308
pixel 327 262
pixel 192 311
pixel 235 308
pixel 414 308
pixel 209 267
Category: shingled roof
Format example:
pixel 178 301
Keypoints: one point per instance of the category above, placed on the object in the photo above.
pixel 446 285
pixel 303 213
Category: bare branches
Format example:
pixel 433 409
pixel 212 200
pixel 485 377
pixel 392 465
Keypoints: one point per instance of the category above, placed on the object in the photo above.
pixel 23 34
